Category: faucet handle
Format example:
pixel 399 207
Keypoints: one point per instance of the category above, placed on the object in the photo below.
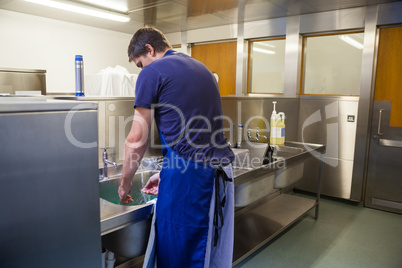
pixel 257 134
pixel 105 148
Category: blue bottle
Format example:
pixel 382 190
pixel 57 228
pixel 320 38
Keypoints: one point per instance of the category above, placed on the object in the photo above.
pixel 79 76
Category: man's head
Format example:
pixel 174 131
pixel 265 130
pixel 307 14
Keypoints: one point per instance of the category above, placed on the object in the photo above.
pixel 147 40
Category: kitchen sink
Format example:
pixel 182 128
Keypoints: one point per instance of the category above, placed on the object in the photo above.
pixel 125 228
pixel 108 189
pixel 290 172
pixel 247 159
pixel 287 151
pixel 255 180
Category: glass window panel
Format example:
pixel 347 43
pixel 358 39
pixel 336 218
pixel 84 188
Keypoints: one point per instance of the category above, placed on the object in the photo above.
pixel 332 64
pixel 267 66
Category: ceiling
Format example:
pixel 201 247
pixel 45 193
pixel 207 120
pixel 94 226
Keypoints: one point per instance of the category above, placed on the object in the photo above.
pixel 178 15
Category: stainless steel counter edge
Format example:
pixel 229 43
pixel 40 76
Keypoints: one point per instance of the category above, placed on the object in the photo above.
pixel 34 104
pixel 114 217
pixel 16 70
pixel 90 98
pixel 71 96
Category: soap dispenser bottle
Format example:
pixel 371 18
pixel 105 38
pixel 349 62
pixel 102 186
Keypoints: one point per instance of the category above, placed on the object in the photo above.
pixel 273 131
pixel 280 139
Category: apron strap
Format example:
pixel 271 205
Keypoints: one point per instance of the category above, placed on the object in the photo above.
pixel 219 173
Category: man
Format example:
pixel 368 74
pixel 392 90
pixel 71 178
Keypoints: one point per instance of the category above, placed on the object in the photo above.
pixel 195 205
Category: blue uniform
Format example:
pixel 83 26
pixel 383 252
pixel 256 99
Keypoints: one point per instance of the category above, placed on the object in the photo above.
pixel 187 103
pixel 190 214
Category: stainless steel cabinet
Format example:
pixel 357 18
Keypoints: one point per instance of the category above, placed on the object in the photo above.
pixel 330 121
pixel 49 190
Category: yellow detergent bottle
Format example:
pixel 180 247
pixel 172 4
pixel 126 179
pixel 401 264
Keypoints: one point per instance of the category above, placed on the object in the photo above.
pixel 280 127
pixel 273 131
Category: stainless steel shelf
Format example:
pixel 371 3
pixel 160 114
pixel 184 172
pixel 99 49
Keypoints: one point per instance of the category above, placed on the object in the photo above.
pixel 257 224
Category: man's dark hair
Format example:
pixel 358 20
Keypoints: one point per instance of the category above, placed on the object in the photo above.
pixel 147 35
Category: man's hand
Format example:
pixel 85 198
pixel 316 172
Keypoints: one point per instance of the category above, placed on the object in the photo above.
pixel 152 185
pixel 124 191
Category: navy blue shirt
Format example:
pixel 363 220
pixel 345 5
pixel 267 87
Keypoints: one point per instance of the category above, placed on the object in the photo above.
pixel 188 112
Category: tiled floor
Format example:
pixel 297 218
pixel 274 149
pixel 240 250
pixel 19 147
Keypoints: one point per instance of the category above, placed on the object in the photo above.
pixel 345 235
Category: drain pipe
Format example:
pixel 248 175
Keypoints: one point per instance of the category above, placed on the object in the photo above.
pixel 103 256
pixel 110 260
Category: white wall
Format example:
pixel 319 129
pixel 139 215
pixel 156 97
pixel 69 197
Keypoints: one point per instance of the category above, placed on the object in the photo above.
pixel 31 42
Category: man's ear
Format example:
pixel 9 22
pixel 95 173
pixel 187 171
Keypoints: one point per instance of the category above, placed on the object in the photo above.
pixel 150 49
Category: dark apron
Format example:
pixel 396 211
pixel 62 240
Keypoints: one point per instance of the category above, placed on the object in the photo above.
pixel 183 211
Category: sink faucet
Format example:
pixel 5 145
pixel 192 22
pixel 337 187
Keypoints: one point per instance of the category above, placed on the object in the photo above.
pixel 268 157
pixel 106 161
pixel 249 136
pixel 257 134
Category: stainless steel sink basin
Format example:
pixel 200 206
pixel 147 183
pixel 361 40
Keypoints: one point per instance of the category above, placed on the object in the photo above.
pixel 290 172
pixel 125 228
pixel 255 180
pixel 108 189
pixel 287 151
pixel 247 159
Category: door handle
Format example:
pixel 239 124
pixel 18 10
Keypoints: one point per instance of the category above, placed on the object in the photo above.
pixel 379 122
pixel 390 143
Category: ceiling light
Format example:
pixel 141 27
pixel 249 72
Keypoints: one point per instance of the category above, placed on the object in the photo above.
pixel 115 5
pixel 351 41
pixel 82 10
pixel 266 51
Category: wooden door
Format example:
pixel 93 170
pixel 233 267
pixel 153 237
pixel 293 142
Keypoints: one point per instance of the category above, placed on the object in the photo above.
pixel 220 58
pixel 388 82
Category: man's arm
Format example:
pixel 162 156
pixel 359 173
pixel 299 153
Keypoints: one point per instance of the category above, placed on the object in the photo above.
pixel 135 147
